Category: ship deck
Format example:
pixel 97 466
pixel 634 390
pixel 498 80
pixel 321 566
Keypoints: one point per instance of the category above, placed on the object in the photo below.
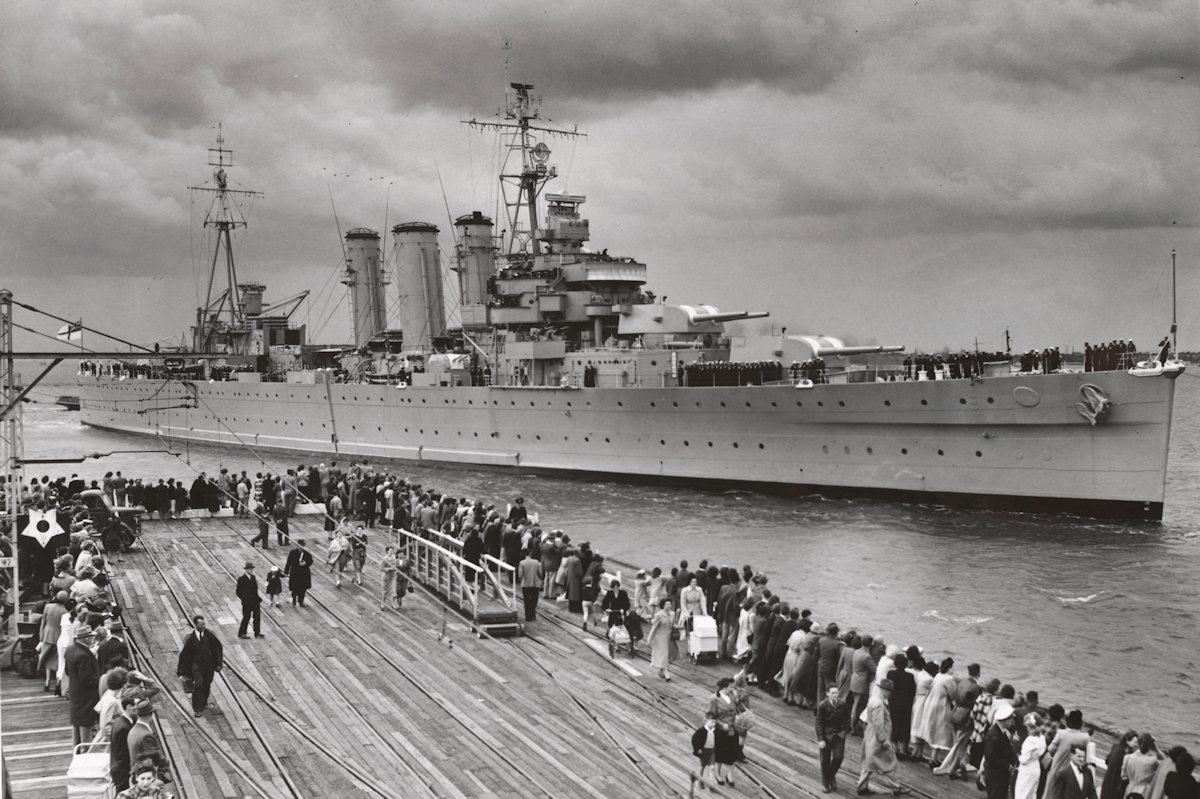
pixel 340 699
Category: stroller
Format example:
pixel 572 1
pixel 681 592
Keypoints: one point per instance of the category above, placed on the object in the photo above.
pixel 619 638
pixel 702 640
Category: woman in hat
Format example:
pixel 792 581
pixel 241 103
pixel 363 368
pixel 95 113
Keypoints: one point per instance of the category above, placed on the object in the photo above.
pixel 48 635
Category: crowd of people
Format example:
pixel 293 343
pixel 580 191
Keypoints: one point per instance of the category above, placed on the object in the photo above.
pixel 905 704
pixel 84 658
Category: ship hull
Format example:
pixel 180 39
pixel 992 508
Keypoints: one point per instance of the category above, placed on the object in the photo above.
pixel 1010 443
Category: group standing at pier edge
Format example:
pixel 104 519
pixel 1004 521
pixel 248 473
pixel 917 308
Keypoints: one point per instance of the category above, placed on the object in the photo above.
pixel 906 705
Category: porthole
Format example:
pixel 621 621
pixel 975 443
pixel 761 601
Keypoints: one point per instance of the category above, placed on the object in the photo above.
pixel 662 441
pixel 531 403
pixel 870 451
pixel 924 402
pixel 887 403
pixel 722 404
pixel 620 404
pixel 652 405
pixel 539 438
pixel 774 405
pixel 710 443
pixel 606 441
pixel 686 444
pixel 978 454
pixel 820 403
pixel 846 450
pixel 735 445
pixel 903 451
pixel 941 452
pixel 761 446
pixel 799 404
pixel 962 401
pixel 991 400
pixel 825 448
pixel 841 404
pixel 675 404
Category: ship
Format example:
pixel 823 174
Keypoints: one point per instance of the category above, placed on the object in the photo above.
pixel 563 363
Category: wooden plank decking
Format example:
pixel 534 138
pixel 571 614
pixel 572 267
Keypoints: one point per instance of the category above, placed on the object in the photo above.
pixel 341 699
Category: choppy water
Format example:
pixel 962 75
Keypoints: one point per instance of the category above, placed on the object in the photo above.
pixel 1100 615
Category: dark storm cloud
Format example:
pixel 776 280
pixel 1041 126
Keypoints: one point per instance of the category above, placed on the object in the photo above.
pixel 619 51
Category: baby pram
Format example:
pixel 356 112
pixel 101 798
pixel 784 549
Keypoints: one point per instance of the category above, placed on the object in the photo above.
pixel 618 638
pixel 702 640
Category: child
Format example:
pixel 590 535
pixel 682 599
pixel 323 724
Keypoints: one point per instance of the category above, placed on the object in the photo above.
pixel 704 739
pixel 274 584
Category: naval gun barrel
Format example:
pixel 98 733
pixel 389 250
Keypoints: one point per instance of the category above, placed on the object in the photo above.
pixel 728 316
pixel 858 350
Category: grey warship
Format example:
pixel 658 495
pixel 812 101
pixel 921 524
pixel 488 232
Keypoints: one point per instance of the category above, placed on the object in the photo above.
pixel 563 363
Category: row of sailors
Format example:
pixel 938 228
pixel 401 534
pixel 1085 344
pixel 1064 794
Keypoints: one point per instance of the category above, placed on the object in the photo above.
pixel 953 366
pixel 1115 354
pixel 1047 361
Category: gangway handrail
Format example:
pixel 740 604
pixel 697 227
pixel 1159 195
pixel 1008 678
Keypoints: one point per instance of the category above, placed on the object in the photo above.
pixel 495 567
pixel 460 592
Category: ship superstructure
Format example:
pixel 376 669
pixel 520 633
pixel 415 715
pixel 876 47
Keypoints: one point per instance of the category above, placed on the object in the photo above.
pixel 564 362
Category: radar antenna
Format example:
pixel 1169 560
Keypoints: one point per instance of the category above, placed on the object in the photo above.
pixel 521 124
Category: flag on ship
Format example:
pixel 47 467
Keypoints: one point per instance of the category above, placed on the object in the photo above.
pixel 71 334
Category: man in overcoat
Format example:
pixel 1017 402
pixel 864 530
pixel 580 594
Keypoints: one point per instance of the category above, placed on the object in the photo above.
pixel 247 592
pixel 200 658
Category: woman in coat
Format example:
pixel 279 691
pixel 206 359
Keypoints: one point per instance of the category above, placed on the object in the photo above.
pixel 387 571
pixel 48 635
pixel 806 677
pixel 741 647
pixel 938 708
pixel 791 665
pixel 339 555
pixel 1029 761
pixel 358 552
pixel 900 703
pixel 660 638
pixel 724 708
pixel 573 570
pixel 923 677
pixel 1113 786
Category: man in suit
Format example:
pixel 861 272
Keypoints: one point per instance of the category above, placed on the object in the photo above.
pixel 1074 779
pixel 143 743
pixel 200 658
pixel 529 573
pixel 862 675
pixel 728 612
pixel 998 754
pixel 112 651
pixel 118 753
pixel 247 591
pixel 83 679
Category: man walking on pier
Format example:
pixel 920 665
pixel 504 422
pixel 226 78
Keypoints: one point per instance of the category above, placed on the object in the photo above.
pixel 529 573
pixel 200 658
pixel 833 725
pixel 247 591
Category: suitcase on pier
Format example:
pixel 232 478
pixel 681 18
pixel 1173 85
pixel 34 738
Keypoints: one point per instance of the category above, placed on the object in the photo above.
pixel 87 776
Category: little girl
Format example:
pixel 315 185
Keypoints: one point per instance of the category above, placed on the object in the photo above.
pixel 274 584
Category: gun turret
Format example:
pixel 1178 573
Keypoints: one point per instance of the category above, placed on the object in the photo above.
pixel 728 316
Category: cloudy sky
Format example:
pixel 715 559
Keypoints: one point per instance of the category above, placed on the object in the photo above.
pixel 918 173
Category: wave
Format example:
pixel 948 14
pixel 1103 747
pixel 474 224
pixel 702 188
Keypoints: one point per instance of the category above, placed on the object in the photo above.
pixel 1079 600
pixel 968 620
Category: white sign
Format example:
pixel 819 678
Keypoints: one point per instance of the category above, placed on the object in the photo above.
pixel 43 525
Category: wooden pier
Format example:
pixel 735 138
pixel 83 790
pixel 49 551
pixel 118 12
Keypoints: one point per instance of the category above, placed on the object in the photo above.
pixel 342 699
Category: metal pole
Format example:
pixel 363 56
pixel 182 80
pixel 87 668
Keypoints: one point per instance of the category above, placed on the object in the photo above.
pixel 1174 316
pixel 10 448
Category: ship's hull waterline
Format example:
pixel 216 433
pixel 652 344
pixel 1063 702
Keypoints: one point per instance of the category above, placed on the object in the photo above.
pixel 1011 443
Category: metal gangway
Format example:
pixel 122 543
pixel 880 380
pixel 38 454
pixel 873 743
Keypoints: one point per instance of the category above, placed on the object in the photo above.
pixel 486 594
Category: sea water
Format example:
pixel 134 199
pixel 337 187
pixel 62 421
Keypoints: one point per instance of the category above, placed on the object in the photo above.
pixel 1100 615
